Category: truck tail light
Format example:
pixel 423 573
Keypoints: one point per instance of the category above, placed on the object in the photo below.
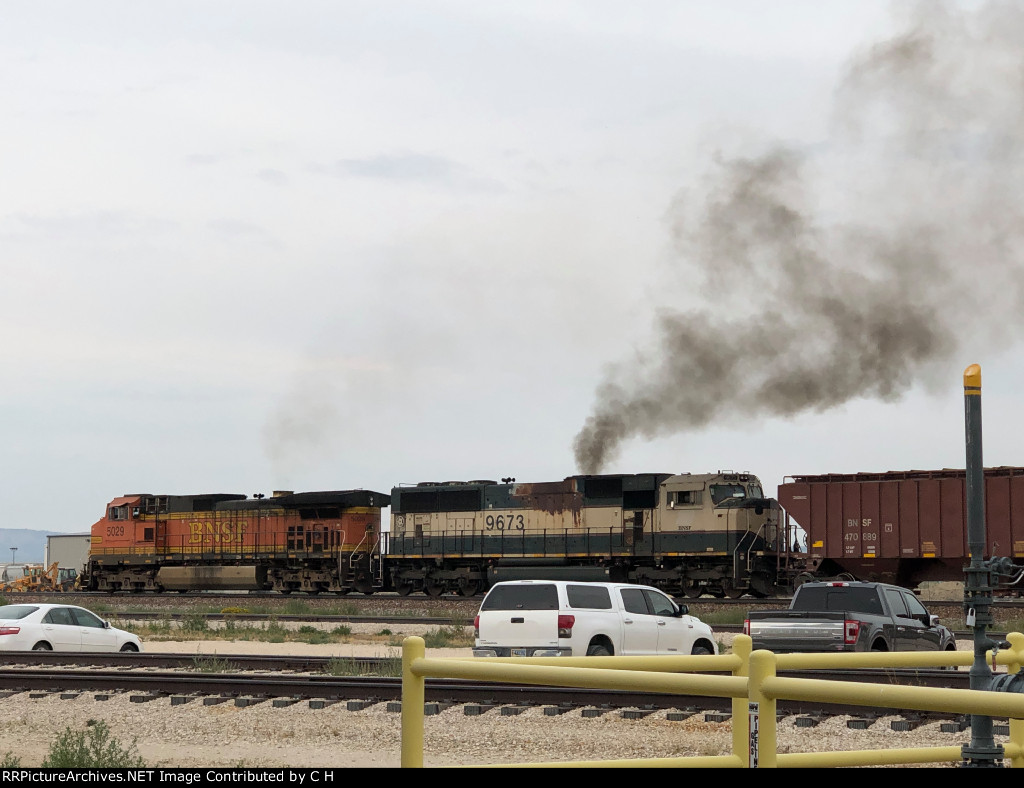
pixel 476 627
pixel 9 630
pixel 746 626
pixel 565 625
pixel 851 629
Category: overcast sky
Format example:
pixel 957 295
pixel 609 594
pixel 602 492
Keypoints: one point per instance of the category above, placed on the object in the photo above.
pixel 252 246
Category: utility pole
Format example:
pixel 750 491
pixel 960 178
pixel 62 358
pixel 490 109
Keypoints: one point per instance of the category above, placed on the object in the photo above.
pixel 978 578
pixel 13 551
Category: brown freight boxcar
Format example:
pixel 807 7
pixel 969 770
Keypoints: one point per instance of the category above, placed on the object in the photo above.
pixel 903 527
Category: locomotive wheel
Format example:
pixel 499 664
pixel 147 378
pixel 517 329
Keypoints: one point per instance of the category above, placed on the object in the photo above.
pixel 433 588
pixel 735 593
pixel 403 589
pixel 693 591
pixel 469 587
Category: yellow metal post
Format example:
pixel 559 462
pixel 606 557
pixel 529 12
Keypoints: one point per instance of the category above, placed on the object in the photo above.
pixel 763 736
pixel 741 646
pixel 1015 753
pixel 413 697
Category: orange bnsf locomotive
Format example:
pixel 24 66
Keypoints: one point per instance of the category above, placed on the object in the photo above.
pixel 312 542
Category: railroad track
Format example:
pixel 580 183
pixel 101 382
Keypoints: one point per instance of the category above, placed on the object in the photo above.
pixel 107 677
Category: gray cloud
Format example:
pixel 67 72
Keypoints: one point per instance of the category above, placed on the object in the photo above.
pixel 857 272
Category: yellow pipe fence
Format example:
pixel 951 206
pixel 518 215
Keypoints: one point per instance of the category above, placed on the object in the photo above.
pixel 754 687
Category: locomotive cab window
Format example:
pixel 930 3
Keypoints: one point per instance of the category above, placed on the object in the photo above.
pixel 686 498
pixel 726 492
pixel 118 513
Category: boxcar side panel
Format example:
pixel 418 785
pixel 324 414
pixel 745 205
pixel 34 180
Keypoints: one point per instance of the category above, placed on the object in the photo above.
pixel 930 518
pixel 870 504
pixel 952 536
pixel 997 516
pixel 905 520
pixel 1016 506
pixel 888 515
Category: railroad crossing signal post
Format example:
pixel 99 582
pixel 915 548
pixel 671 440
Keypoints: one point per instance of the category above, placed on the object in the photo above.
pixel 978 578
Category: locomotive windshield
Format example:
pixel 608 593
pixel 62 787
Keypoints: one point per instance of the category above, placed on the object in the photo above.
pixel 726 492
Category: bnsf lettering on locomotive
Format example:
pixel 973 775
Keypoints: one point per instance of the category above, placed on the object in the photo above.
pixel 512 522
pixel 213 533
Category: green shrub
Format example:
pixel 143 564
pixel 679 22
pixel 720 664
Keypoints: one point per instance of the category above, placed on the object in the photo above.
pixel 348 666
pixel 344 630
pixel 92 748
pixel 161 626
pixel 447 637
pixel 296 607
pixel 212 665
pixel 8 761
pixel 194 622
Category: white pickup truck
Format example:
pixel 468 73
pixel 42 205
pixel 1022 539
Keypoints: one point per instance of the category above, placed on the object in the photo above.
pixel 560 618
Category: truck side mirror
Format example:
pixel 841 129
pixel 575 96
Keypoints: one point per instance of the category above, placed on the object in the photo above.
pixel 684 610
pixel 933 621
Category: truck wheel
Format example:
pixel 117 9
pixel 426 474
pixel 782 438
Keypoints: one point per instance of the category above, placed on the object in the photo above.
pixel 42 647
pixel 701 650
pixel 597 650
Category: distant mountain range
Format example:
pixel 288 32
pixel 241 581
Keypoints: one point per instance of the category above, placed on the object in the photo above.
pixel 31 545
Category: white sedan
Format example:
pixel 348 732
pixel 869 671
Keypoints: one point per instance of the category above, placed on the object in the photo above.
pixel 32 627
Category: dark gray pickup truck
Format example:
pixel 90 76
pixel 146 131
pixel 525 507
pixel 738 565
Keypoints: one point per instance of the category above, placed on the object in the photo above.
pixel 849 616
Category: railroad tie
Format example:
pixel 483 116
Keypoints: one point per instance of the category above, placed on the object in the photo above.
pixel 637 714
pixel 862 721
pixel 678 715
pixel 956 726
pixel 476 709
pixel 561 708
pixel 908 723
pixel 809 720
pixel 322 703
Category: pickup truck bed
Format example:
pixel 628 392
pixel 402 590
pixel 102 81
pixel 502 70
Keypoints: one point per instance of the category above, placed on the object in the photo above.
pixel 849 616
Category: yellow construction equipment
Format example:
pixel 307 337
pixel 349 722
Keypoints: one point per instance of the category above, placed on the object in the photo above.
pixel 35 579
